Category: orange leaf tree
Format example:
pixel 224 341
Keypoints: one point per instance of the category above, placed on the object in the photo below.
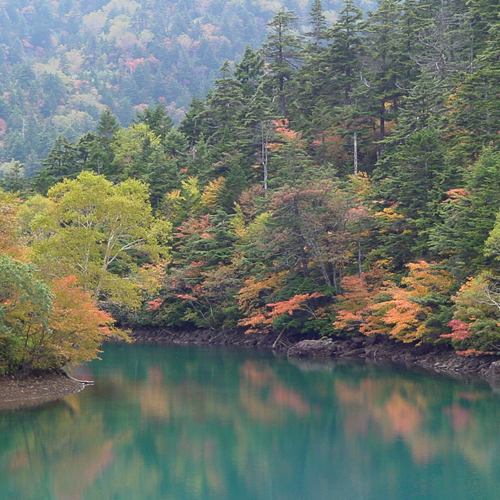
pixel 77 326
pixel 252 300
pixel 42 327
pixel 409 312
pixel 359 292
pixel 265 320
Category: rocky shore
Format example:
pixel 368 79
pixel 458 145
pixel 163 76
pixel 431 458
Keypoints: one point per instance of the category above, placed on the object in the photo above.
pixel 215 337
pixel 32 391
pixel 435 358
pixel 441 359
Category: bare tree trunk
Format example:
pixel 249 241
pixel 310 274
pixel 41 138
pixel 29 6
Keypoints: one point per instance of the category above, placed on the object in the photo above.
pixel 359 256
pixel 355 153
pixel 264 153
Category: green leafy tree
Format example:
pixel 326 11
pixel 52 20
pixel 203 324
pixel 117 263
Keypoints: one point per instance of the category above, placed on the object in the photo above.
pixel 308 232
pixel 101 233
pixel 25 307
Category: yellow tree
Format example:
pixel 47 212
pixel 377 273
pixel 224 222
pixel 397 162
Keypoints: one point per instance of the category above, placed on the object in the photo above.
pixel 100 232
pixel 9 227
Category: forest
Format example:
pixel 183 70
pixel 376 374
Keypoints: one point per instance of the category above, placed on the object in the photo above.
pixel 64 62
pixel 340 180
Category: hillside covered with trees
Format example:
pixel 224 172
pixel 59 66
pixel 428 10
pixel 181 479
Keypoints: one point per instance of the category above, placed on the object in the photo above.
pixel 336 183
pixel 63 63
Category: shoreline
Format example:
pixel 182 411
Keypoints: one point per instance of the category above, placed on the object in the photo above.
pixel 33 391
pixel 433 358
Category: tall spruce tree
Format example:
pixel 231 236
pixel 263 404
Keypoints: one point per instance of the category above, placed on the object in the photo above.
pixel 282 51
pixel 157 119
pixel 475 105
pixel 386 62
pixel 318 27
pixel 249 71
pixel 346 47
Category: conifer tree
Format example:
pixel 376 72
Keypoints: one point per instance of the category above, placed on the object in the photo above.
pixel 249 71
pixel 63 162
pixel 468 215
pixel 157 119
pixel 107 126
pixel 282 52
pixel 318 24
pixel 475 105
pixel 345 50
pixel 390 72
pixel 101 151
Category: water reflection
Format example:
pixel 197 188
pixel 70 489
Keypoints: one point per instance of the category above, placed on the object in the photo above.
pixel 178 423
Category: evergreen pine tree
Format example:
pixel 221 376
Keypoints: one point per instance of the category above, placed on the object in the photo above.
pixel 282 52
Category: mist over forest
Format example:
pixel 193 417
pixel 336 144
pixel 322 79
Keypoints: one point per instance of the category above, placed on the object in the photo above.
pixel 63 63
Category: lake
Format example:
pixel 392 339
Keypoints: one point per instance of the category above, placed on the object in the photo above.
pixel 184 423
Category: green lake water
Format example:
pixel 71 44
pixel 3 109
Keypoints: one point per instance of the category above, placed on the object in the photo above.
pixel 178 423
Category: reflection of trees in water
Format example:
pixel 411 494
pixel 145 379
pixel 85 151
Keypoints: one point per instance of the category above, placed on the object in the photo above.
pixel 432 420
pixel 187 427
pixel 53 450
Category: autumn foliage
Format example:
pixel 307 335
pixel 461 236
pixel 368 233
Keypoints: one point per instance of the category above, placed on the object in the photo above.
pixel 263 320
pixel 9 227
pixel 397 311
pixel 354 309
pixel 78 326
pixel 44 324
pixel 43 327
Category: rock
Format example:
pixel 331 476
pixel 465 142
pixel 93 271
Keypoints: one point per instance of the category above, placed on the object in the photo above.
pixel 421 350
pixel 313 349
pixel 355 353
pixel 358 341
pixel 473 364
pixel 370 340
pixel 378 348
pixel 493 372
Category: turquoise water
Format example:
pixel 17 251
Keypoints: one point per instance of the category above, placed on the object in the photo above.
pixel 174 423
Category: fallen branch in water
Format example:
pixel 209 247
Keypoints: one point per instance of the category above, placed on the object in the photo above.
pixel 85 382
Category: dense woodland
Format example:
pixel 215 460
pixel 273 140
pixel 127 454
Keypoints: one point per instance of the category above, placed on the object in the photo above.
pixel 63 62
pixel 339 182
